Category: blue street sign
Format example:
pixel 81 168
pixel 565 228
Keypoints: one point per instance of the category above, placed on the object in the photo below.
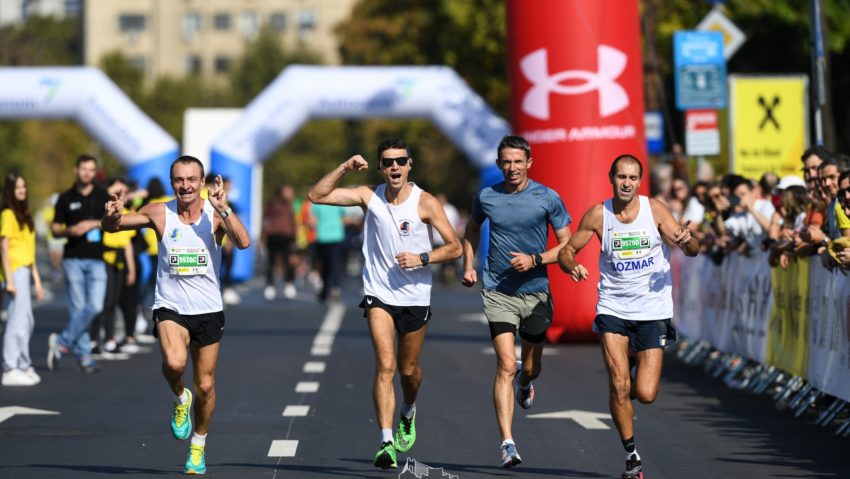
pixel 700 72
pixel 653 125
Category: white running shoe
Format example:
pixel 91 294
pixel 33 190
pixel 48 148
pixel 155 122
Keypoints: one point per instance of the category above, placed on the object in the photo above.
pixel 289 291
pixel 269 293
pixel 30 372
pixel 142 338
pixel 16 377
pixel 230 296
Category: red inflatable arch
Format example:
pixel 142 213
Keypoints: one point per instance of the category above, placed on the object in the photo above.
pixel 577 97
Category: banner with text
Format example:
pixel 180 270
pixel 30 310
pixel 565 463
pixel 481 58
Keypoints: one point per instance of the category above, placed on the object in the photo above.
pixel 768 129
pixel 787 344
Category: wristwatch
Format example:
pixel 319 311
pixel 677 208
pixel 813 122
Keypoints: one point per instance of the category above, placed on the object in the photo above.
pixel 538 260
pixel 226 213
pixel 424 258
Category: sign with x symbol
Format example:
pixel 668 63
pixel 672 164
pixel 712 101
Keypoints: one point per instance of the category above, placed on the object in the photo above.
pixel 768 111
pixel 767 124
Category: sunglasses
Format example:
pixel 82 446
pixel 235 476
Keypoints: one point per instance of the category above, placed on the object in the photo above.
pixel 388 162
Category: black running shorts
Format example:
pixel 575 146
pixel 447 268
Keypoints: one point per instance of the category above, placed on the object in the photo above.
pixel 407 319
pixel 642 335
pixel 204 329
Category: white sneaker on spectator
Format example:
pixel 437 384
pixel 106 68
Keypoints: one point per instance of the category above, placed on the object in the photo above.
pixel 230 296
pixel 129 348
pixel 289 291
pixel 16 377
pixel 110 346
pixel 269 293
pixel 141 323
pixel 143 338
pixel 30 372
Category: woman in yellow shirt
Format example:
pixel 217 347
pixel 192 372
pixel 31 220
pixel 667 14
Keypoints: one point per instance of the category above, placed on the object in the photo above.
pixel 17 248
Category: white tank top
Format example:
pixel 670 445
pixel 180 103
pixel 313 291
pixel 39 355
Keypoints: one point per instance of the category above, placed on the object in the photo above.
pixel 188 264
pixel 390 230
pixel 634 268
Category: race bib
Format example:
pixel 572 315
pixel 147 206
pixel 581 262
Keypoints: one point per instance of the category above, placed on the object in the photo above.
pixel 185 261
pixel 630 244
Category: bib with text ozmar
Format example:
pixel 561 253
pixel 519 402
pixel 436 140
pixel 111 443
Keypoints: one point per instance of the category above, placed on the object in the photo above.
pixel 630 249
pixel 185 260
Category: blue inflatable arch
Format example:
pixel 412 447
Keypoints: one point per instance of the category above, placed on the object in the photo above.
pixel 300 93
pixel 89 97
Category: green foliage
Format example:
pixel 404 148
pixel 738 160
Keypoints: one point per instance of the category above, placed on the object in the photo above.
pixel 41 41
pixel 262 62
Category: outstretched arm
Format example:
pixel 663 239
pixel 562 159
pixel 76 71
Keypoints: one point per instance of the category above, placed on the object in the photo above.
pixel 591 223
pixel 671 230
pixel 325 192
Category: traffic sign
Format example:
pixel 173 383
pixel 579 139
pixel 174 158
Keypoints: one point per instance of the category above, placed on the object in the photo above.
pixel 700 73
pixel 716 21
pixel 702 137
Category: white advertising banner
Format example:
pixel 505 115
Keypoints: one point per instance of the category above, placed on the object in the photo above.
pixel 727 305
pixel 829 341
pixel 751 298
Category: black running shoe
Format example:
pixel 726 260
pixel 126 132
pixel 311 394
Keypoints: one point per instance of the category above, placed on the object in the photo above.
pixel 634 470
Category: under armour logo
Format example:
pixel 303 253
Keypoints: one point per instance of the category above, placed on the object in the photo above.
pixel 612 97
pixel 768 112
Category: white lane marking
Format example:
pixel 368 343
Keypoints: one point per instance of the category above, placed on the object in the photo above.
pixel 324 339
pixel 283 448
pixel 473 318
pixel 314 367
pixel 585 419
pixel 9 411
pixel 546 351
pixel 296 411
pixel 307 387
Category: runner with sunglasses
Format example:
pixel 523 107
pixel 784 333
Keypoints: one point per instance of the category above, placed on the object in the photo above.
pixel 397 284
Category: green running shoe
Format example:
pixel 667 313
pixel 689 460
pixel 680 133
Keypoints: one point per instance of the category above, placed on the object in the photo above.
pixel 406 434
pixel 195 463
pixel 181 419
pixel 385 458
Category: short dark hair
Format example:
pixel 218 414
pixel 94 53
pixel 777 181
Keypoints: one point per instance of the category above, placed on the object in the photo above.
pixel 117 179
pixel 84 158
pixel 513 141
pixel 842 161
pixel 768 182
pixel 734 181
pixel 626 157
pixel 392 143
pixel 817 150
pixel 186 159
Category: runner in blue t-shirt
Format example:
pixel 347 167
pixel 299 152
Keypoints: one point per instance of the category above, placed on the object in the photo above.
pixel 516 287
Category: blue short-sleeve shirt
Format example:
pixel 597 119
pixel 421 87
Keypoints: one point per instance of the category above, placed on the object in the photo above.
pixel 518 222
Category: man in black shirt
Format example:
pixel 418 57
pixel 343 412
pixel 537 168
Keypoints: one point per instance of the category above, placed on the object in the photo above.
pixel 78 213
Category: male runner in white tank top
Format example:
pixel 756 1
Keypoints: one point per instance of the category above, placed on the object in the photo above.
pixel 635 291
pixel 397 248
pixel 188 310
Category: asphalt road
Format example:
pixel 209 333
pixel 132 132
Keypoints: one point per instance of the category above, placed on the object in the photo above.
pixel 294 400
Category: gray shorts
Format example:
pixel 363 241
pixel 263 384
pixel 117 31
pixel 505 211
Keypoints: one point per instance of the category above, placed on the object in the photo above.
pixel 529 313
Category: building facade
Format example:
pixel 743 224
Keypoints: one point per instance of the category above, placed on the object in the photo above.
pixel 205 37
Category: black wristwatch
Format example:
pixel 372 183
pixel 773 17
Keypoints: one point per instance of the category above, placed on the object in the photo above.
pixel 424 258
pixel 538 260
